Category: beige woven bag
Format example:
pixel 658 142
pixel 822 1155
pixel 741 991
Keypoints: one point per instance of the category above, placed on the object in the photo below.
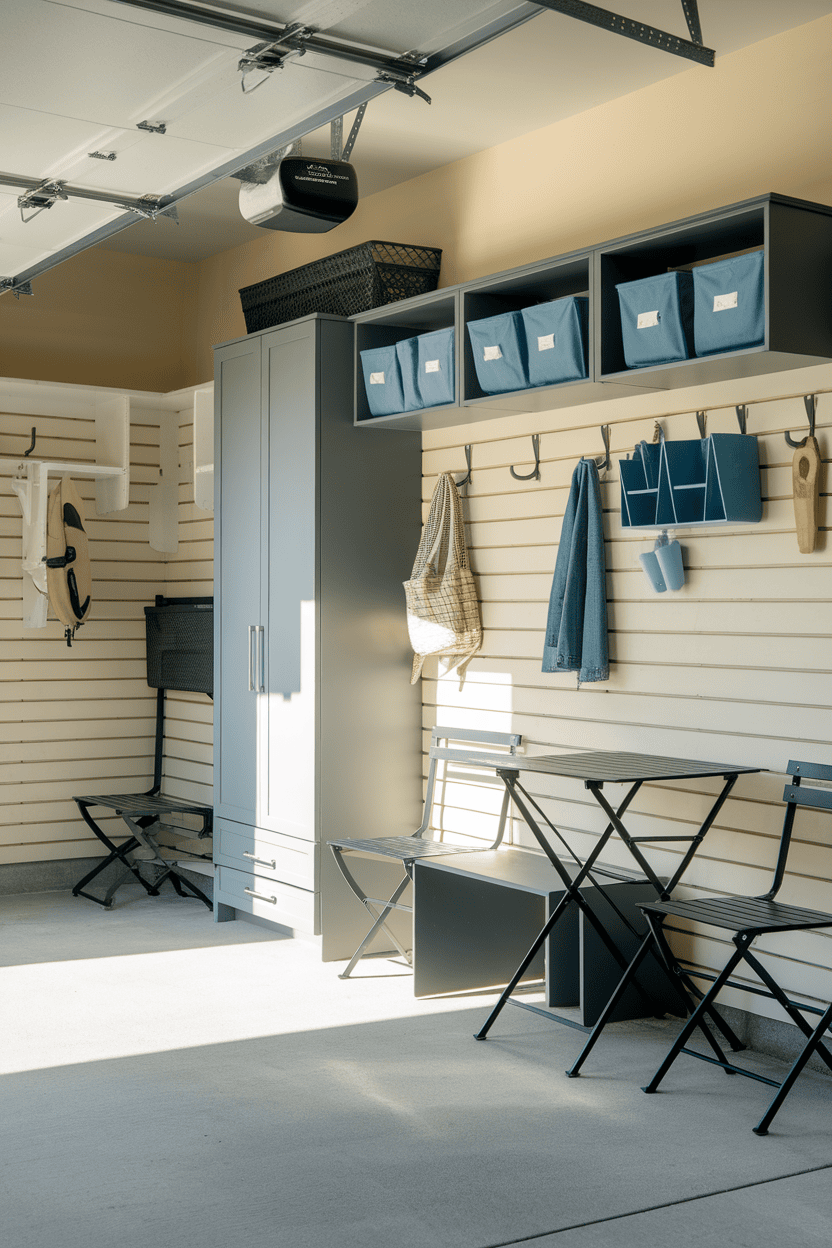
pixel 443 615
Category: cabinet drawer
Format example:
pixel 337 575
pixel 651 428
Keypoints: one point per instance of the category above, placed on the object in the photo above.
pixel 268 899
pixel 267 854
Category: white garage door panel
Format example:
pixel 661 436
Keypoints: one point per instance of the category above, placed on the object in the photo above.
pixel 241 121
pixel 32 144
pixel 154 165
pixel 85 66
pixel 55 227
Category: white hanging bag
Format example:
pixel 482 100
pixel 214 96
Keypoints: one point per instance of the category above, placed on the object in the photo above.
pixel 443 614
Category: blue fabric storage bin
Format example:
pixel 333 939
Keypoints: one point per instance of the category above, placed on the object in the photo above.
pixel 657 319
pixel 498 346
pixel 436 375
pixel 382 380
pixel 555 340
pixel 407 351
pixel 729 305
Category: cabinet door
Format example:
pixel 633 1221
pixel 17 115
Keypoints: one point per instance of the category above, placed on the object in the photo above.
pixel 287 718
pixel 237 577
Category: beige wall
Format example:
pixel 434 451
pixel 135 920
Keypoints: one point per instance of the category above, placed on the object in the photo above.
pixel 104 318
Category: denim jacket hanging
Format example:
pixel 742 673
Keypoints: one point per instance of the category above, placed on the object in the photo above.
pixel 576 629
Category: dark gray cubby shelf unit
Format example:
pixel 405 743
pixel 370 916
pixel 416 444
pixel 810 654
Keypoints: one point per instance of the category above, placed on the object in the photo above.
pixel 795 236
pixel 391 323
pixel 521 288
pixel 796 239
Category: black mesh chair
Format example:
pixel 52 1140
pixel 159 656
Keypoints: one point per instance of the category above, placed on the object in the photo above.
pixel 180 655
pixel 424 842
pixel 747 918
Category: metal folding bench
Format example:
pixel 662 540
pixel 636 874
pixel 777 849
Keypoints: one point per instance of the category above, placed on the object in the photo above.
pixel 423 843
pixel 179 656
pixel 747 918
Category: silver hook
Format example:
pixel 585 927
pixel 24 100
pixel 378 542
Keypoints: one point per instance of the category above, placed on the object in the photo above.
pixel 535 473
pixel 742 416
pixel 467 478
pixel 603 463
pixel 809 401
pixel 702 422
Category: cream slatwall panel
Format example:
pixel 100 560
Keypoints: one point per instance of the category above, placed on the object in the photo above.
pixel 736 667
pixel 79 720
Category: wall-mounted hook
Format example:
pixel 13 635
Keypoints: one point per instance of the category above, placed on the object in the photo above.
pixel 809 401
pixel 466 480
pixel 536 471
pixel 742 416
pixel 32 443
pixel 602 462
pixel 702 422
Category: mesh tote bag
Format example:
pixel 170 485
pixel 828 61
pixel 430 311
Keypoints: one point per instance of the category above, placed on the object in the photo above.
pixel 443 615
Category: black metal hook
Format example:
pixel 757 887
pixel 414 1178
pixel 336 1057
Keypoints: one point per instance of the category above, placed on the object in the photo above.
pixel 809 401
pixel 467 478
pixel 603 462
pixel 34 440
pixel 536 471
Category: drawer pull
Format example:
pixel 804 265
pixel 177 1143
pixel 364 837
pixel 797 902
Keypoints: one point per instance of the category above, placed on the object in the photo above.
pixel 260 896
pixel 264 862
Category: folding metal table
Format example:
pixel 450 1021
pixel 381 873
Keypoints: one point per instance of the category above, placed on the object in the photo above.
pixel 597 768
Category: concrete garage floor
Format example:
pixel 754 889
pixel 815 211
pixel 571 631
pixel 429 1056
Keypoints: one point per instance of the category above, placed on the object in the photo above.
pixel 170 1081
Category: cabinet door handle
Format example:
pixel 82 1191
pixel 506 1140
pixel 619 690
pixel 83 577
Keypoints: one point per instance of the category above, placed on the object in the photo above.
pixel 261 658
pixel 260 896
pixel 250 676
pixel 264 862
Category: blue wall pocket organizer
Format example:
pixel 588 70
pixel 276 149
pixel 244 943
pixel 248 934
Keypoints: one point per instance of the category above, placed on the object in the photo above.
pixel 705 481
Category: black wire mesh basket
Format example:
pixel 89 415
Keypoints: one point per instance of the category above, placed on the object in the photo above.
pixel 180 644
pixel 351 281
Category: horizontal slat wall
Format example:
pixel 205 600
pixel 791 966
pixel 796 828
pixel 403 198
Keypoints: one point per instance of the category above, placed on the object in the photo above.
pixel 735 667
pixel 75 720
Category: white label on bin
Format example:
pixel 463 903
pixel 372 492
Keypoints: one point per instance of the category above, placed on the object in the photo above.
pixel 431 366
pixel 721 302
pixel 376 379
pixel 492 353
pixel 646 319
pixel 546 342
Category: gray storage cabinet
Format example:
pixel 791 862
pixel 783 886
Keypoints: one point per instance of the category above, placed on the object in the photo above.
pixel 317 728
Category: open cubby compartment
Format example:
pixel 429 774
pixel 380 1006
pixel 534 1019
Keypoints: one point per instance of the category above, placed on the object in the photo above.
pixel 704 481
pixel 795 238
pixel 391 324
pixel 512 292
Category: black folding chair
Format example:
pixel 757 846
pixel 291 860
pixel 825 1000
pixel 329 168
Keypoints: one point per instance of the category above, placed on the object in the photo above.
pixel 747 918
pixel 421 843
pixel 179 656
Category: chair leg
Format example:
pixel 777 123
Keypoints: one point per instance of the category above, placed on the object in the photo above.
pixel 696 1020
pixel 378 925
pixel 684 987
pixel 786 1086
pixel 792 1011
